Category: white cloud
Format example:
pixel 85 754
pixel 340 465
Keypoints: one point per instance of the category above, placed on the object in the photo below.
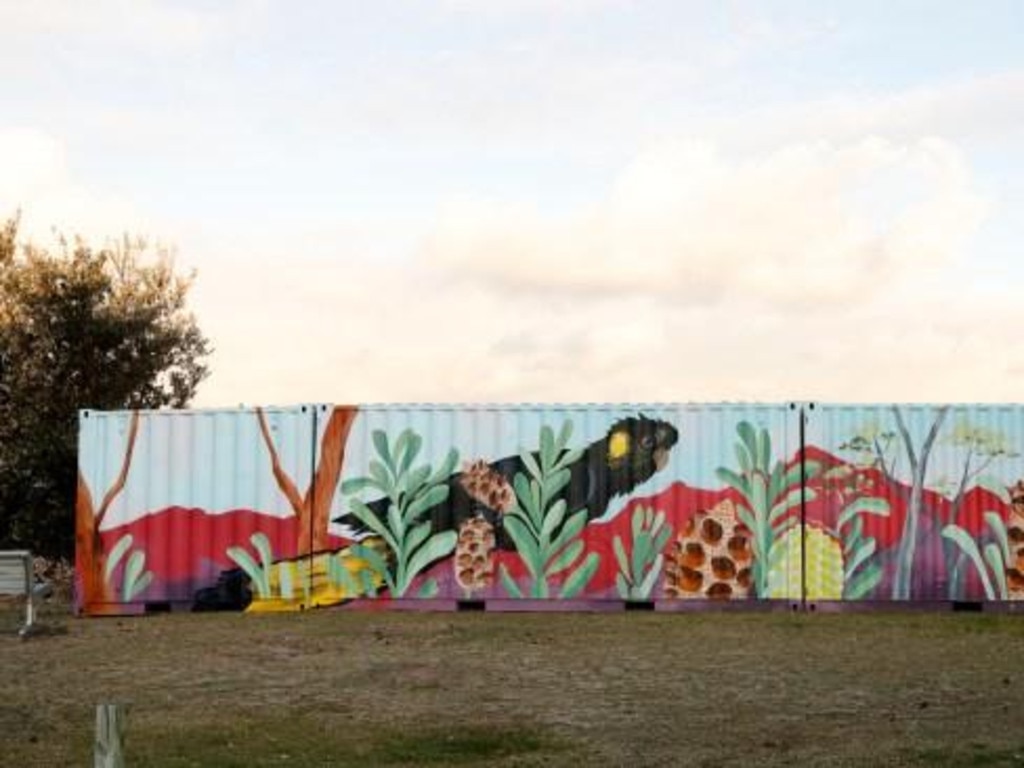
pixel 138 24
pixel 36 180
pixel 800 225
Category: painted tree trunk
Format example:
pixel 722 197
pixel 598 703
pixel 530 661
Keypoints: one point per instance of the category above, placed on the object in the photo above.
pixel 312 511
pixel 919 472
pixel 89 552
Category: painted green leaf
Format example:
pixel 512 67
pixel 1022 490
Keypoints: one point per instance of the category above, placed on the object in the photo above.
pixel 734 480
pixel 252 570
pixel 132 571
pixel 140 584
pixel 620 555
pixel 743 459
pixel 759 495
pixel 284 580
pixel 865 505
pixel 373 558
pixel 553 519
pixel 647 585
pixel 439 545
pixel 428 589
pixel 555 482
pixel 579 578
pixel 400 446
pixel 411 452
pixel 381 476
pixel 863 583
pixel 638 521
pixel 509 583
pixel 360 484
pixel 572 528
pixel 547 448
pixel 369 587
pixel 790 500
pixel 998 528
pixel 380 442
pixel 995 560
pixel 969 547
pixel 538 508
pixel 748 520
pixel 397 527
pixel 790 478
pixel 565 560
pixel 367 517
pixel 447 467
pixel 780 530
pixel 567 458
pixel 261 544
pixel 641 554
pixel 343 578
pixel 116 553
pixel 764 455
pixel 522 537
pixel 748 436
pixel 622 586
pixel 853 535
pixel 417 536
pixel 661 539
pixel 811 469
pixel 565 433
pixel 415 480
pixel 658 522
pixel 524 497
pixel 866 550
pixel 531 464
pixel 425 501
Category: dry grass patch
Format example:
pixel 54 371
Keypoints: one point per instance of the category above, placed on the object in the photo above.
pixel 337 688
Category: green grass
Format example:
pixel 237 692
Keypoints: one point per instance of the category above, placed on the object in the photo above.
pixel 395 689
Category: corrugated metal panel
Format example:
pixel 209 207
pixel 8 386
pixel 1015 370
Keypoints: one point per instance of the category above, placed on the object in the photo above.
pixel 664 502
pixel 687 490
pixel 170 502
pixel 934 486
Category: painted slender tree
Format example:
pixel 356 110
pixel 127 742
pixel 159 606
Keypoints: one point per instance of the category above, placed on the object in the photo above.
pixel 918 462
pixel 312 510
pixel 92 560
pixel 982 447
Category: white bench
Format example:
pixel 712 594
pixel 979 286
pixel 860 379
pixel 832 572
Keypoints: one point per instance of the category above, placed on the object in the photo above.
pixel 17 580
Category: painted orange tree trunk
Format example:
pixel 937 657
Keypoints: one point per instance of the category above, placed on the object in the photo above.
pixel 312 510
pixel 91 559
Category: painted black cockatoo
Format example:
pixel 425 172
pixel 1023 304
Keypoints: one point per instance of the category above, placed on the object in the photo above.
pixel 632 451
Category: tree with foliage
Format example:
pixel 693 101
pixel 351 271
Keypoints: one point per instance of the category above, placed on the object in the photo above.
pixel 880 448
pixel 80 327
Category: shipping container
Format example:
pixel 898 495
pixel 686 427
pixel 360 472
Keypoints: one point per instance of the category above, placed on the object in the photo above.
pixel 661 505
pixel 915 503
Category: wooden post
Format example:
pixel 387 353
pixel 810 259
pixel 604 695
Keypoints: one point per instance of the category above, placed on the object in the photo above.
pixel 109 746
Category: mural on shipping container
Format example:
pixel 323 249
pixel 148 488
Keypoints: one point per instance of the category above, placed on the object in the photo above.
pixel 940 502
pixel 285 509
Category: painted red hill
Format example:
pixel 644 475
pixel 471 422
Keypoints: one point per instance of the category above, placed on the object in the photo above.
pixel 188 547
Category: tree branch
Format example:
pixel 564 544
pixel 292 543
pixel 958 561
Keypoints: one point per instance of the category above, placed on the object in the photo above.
pixel 332 454
pixel 118 486
pixel 283 481
pixel 907 442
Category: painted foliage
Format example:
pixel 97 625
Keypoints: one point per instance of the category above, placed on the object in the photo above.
pixel 285 509
pixel 923 502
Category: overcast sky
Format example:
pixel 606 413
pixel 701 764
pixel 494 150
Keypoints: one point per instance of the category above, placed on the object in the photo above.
pixel 569 200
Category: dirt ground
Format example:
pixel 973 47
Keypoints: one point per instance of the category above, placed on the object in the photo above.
pixel 344 688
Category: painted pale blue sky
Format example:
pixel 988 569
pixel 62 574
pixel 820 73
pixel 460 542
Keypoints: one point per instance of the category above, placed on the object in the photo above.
pixel 547 200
